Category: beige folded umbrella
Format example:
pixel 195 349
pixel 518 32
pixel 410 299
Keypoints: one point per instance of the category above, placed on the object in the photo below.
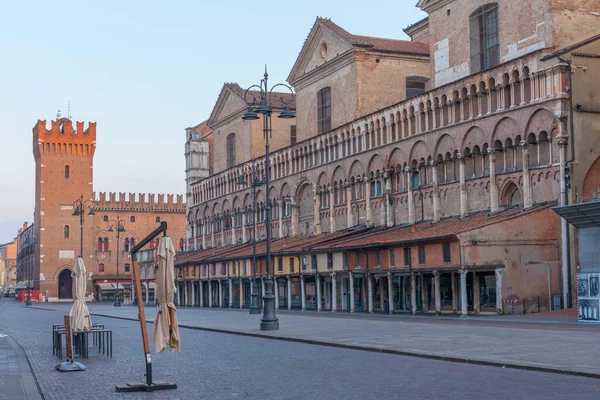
pixel 80 316
pixel 166 330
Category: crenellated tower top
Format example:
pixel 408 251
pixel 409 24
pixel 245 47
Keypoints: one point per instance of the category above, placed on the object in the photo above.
pixel 63 139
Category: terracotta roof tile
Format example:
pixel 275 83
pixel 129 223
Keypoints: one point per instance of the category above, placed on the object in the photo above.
pixel 379 44
pixel 278 98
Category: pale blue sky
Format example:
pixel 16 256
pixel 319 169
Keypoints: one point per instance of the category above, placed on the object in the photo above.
pixel 145 70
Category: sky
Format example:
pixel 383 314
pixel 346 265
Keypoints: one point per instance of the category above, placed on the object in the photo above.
pixel 144 71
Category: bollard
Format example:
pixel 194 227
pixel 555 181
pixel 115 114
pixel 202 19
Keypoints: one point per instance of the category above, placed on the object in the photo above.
pixel 46 296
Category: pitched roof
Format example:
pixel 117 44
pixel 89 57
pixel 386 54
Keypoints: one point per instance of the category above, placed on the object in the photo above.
pixel 278 99
pixel 378 44
pixel 570 48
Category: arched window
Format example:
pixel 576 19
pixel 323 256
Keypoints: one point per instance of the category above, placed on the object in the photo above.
pixel 182 246
pixel 230 150
pixel 126 244
pixel 66 232
pixel 485 40
pixel 157 220
pixel 324 110
pixel 132 219
pixel 67 172
pixel 416 85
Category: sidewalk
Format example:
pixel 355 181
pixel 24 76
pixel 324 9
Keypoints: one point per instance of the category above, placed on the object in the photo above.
pixel 551 345
pixel 16 379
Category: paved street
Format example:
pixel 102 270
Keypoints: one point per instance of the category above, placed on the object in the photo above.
pixel 533 342
pixel 222 366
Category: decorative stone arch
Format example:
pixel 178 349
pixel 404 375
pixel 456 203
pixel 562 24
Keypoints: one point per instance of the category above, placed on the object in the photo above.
pixel 247 200
pixel 339 175
pixel 285 190
pixel 418 151
pixel 506 128
pixel 356 169
pixel 540 120
pixel 225 206
pixel 394 158
pixel 445 144
pixel 323 179
pixel 510 194
pixel 473 137
pixel 237 203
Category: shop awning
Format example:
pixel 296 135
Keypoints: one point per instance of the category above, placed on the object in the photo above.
pixel 152 285
pixel 583 215
pixel 110 286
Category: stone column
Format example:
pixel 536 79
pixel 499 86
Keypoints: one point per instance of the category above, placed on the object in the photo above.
pixel 493 187
pixel 289 293
pixel 381 293
pixel 276 290
pixel 564 226
pixel 370 292
pixel 499 297
pixel 331 211
pixel 241 282
pixel 463 187
pixel 390 292
pixel 148 293
pixel 294 219
pixel 513 97
pixel 333 292
pixel 212 233
pixel 220 293
pixel 351 279
pixel 438 293
pixel 436 191
pixel 411 202
pixel 413 294
pixel 349 219
pixel 424 293
pixel 318 285
pixel 454 292
pixel 489 93
pixel 244 223
pixel 281 206
pixel 303 292
pixel 368 201
pixel 500 96
pixel 527 195
pixel 233 236
pixel 210 294
pixel 522 87
pixel 451 106
pixel 476 303
pixel 185 294
pixel 193 295
pixel 389 214
pixel 463 293
pixel 317 211
pixel 201 291
pixel 230 286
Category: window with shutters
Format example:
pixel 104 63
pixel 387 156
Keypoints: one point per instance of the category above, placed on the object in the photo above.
pixel 446 253
pixel 421 255
pixel 292 135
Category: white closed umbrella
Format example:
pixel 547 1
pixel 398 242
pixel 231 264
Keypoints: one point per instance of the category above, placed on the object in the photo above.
pixel 166 329
pixel 80 316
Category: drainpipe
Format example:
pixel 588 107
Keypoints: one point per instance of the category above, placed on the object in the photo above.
pixel 565 231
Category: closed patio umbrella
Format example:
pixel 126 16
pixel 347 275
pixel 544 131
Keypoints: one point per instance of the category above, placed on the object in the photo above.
pixel 166 330
pixel 80 316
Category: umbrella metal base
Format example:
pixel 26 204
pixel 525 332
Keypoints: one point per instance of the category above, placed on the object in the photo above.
pixel 143 387
pixel 70 366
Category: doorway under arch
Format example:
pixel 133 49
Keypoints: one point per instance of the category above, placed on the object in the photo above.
pixel 65 284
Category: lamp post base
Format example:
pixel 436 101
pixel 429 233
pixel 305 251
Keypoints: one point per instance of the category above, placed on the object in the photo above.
pixel 269 321
pixel 28 302
pixel 254 299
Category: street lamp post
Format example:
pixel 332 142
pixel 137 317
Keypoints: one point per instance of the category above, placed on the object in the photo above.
pixel 256 182
pixel 79 207
pixel 120 228
pixel 262 105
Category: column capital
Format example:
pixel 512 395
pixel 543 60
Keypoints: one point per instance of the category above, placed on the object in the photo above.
pixel 408 169
pixel 562 140
pixel 460 156
pixel 433 163
pixel 436 273
pixel 490 150
pixel 523 143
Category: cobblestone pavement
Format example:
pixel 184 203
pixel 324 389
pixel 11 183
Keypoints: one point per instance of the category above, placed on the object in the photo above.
pixel 220 366
pixel 545 345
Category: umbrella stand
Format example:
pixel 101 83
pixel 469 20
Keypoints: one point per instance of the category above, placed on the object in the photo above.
pixel 149 386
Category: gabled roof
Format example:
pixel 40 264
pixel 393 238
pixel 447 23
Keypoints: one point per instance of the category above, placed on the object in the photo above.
pixel 278 99
pixel 356 41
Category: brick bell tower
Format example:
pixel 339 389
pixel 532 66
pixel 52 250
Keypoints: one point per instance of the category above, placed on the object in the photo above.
pixel 64 158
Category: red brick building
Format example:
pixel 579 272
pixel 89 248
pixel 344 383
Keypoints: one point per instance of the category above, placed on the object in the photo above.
pixel 490 114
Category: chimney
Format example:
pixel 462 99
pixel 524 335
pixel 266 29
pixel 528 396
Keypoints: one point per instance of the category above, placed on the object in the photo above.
pixel 413 229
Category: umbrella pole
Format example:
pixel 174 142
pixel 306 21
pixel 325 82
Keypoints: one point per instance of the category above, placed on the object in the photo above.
pixel 149 386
